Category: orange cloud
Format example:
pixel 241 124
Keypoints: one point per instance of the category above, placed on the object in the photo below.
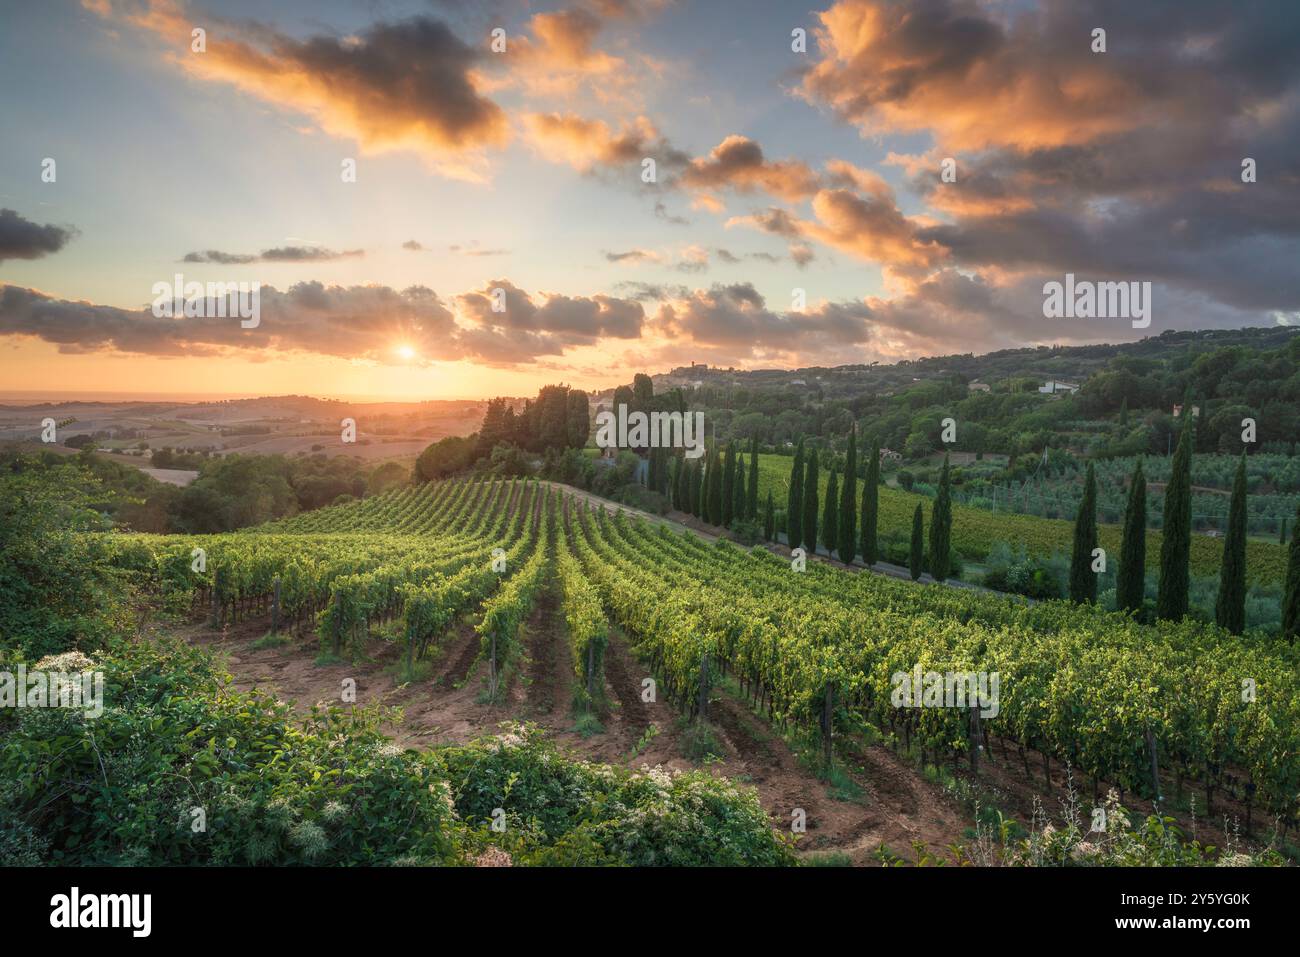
pixel 585 143
pixel 972 81
pixel 410 85
pixel 738 163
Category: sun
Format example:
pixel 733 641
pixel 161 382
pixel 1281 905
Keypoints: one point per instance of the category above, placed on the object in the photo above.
pixel 405 351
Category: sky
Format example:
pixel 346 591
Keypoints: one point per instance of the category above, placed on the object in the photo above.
pixel 798 214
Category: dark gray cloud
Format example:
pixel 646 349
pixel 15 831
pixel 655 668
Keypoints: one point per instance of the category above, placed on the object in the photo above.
pixel 280 254
pixel 661 212
pixel 631 256
pixel 353 322
pixel 736 318
pixel 349 322
pixel 23 239
pixel 573 320
pixel 1118 165
pixel 410 84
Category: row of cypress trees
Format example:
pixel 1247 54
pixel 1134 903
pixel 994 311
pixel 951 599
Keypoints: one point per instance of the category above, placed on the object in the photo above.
pixel 1175 548
pixel 940 550
pixel 1172 593
pixel 720 490
pixel 849 522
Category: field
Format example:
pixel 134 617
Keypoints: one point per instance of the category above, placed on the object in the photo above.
pixel 1272 481
pixel 467 603
pixel 129 432
pixel 977 530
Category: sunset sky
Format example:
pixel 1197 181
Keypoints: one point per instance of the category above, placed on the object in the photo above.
pixel 522 170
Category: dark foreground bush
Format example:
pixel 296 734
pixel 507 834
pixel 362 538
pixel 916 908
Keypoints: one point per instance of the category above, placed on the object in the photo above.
pixel 182 769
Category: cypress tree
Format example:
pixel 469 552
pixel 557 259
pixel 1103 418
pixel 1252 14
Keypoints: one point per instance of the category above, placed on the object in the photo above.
pixel 714 504
pixel 941 527
pixel 1131 578
pixel 794 504
pixel 751 500
pixel 738 498
pixel 699 489
pixel 830 514
pixel 729 486
pixel 1176 547
pixel 769 519
pixel 810 504
pixel 916 558
pixel 1281 535
pixel 1123 412
pixel 1230 606
pixel 1083 580
pixel 703 499
pixel 871 507
pixel 1291 597
pixel 848 517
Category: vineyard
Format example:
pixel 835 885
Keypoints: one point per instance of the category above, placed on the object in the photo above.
pixel 813 653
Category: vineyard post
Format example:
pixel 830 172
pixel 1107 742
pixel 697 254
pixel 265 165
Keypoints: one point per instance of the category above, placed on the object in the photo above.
pixel 275 606
pixel 703 704
pixel 977 738
pixel 1155 767
pixel 827 722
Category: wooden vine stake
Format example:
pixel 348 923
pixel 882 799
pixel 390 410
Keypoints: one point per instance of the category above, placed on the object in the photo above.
pixel 828 721
pixel 702 706
pixel 1155 767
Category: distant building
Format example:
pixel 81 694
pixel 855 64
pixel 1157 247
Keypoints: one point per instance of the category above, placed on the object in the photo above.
pixel 889 455
pixel 979 387
pixel 798 382
pixel 1196 411
pixel 1057 387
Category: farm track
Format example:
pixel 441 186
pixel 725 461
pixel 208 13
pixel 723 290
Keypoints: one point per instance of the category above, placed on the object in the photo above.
pixel 466 652
pixel 548 672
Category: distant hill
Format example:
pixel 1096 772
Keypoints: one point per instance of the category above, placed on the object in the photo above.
pixel 1071 363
